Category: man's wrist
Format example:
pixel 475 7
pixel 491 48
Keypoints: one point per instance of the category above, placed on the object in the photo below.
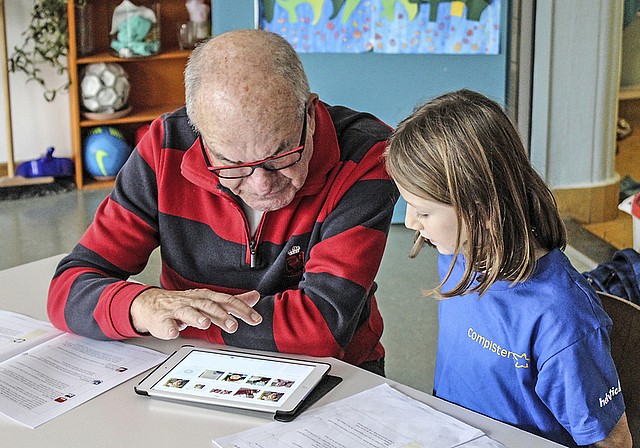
pixel 135 313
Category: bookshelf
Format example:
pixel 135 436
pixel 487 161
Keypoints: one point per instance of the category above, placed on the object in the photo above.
pixel 157 82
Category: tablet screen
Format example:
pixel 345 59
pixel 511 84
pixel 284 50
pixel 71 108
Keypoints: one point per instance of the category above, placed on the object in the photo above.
pixel 234 378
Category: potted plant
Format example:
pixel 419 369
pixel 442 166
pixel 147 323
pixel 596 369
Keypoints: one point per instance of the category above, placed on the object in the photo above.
pixel 46 44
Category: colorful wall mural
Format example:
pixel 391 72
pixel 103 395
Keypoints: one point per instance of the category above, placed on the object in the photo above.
pixel 385 26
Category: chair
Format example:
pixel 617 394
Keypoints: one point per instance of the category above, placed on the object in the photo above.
pixel 625 350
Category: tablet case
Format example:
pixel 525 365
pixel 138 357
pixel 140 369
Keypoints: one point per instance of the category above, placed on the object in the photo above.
pixel 322 388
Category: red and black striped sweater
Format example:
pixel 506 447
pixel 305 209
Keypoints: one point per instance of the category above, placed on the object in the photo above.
pixel 316 259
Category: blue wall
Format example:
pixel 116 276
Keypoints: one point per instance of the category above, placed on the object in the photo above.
pixel 387 85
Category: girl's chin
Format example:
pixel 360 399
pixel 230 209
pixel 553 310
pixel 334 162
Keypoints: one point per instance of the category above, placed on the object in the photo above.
pixel 442 251
pixel 429 243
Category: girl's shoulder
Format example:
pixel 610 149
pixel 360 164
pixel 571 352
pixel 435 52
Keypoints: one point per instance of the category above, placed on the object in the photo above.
pixel 559 291
pixel 556 292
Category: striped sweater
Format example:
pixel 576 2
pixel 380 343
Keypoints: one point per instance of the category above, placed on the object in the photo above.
pixel 314 261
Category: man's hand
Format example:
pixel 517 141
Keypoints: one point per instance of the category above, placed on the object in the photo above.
pixel 165 313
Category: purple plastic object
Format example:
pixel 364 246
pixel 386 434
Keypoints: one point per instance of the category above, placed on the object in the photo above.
pixel 47 166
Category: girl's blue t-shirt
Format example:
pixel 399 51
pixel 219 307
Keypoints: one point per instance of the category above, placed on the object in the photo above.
pixel 535 354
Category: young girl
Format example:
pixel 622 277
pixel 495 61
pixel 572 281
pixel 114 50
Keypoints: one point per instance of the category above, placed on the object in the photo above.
pixel 523 337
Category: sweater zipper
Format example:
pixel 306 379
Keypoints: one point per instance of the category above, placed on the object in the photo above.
pixel 253 242
pixel 252 249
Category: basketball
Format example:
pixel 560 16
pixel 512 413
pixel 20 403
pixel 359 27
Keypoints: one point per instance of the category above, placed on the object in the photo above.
pixel 105 151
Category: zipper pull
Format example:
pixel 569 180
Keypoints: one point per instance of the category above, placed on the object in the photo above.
pixel 252 249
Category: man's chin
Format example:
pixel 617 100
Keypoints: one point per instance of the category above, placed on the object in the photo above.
pixel 269 203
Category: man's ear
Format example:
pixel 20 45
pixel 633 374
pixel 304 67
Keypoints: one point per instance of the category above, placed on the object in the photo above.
pixel 311 110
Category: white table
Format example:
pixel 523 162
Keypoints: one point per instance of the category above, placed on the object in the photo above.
pixel 120 418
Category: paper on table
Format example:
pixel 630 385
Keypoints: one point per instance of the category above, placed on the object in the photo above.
pixel 46 380
pixel 19 333
pixel 482 442
pixel 380 417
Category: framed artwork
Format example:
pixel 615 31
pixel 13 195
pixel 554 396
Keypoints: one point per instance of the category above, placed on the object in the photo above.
pixel 385 26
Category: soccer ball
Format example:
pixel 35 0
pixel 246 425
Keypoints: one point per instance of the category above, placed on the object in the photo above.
pixel 105 152
pixel 104 87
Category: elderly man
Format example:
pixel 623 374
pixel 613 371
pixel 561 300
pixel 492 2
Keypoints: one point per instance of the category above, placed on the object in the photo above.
pixel 271 210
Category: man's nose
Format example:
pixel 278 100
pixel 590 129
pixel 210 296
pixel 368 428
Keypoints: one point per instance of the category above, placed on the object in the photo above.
pixel 262 180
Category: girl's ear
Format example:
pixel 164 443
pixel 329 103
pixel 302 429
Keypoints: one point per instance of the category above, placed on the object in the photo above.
pixel 484 215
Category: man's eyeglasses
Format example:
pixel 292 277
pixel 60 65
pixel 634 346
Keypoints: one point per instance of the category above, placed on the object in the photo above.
pixel 274 163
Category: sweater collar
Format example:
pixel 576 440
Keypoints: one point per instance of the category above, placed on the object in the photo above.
pixel 326 154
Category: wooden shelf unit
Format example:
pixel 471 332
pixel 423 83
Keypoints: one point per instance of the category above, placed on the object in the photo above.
pixel 157 82
pixel 629 92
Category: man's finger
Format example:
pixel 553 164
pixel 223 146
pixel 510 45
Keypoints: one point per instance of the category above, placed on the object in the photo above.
pixel 165 329
pixel 250 298
pixel 220 307
pixel 191 315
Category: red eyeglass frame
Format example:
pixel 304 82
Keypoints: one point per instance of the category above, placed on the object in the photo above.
pixel 260 164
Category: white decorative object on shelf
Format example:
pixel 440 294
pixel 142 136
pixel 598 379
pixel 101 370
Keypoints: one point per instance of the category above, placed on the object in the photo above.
pixel 197 28
pixel 135 29
pixel 104 87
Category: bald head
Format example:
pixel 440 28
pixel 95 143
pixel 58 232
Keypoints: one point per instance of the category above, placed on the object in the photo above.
pixel 252 76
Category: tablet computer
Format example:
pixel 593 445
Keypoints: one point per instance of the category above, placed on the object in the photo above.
pixel 243 380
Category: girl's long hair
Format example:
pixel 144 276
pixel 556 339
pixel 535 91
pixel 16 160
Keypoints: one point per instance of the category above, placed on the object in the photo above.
pixel 462 150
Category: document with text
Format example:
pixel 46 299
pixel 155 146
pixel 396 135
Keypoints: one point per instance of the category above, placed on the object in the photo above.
pixel 381 417
pixel 45 372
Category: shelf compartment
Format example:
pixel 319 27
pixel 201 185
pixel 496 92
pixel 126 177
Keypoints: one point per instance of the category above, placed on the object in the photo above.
pixel 157 82
pixel 140 115
pixel 175 53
